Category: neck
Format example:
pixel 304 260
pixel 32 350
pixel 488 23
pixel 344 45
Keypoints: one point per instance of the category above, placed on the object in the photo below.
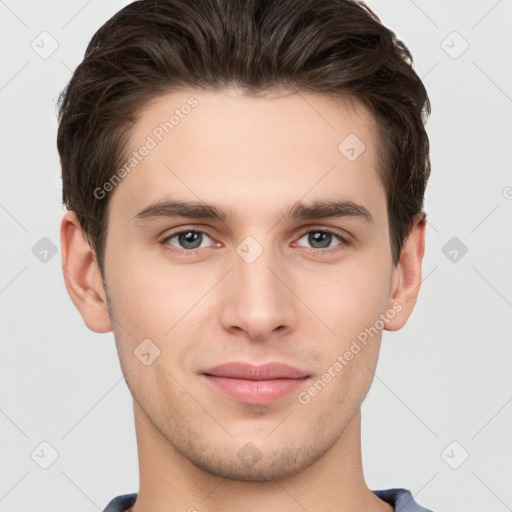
pixel 170 482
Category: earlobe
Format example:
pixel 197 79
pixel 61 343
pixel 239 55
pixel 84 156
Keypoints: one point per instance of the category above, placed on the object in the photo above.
pixel 407 276
pixel 82 276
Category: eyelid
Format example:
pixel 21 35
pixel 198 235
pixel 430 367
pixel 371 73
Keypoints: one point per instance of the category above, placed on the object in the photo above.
pixel 344 239
pixel 179 231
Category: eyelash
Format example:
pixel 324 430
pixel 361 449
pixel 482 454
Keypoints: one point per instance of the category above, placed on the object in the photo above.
pixel 312 250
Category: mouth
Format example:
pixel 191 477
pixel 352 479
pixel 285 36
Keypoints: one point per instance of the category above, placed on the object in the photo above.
pixel 255 384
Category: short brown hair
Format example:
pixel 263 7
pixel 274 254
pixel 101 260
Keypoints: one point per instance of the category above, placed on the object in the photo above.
pixel 151 47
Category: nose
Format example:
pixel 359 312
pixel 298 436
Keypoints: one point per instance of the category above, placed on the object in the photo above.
pixel 259 300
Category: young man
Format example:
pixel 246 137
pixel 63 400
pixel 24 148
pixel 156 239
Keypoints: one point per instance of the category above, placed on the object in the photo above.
pixel 245 185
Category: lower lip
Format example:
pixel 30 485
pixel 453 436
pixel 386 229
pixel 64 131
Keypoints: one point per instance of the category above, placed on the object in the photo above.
pixel 255 391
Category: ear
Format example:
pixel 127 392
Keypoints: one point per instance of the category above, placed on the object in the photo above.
pixel 82 275
pixel 406 279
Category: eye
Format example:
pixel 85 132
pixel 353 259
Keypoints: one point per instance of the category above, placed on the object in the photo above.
pixel 321 239
pixel 187 240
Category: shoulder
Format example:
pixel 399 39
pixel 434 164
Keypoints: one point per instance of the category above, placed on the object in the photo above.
pixel 401 499
pixel 121 503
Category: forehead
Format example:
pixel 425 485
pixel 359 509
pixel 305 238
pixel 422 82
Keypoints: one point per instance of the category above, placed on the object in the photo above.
pixel 252 153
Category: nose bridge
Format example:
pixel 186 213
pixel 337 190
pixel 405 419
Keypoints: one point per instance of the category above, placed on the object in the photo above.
pixel 260 302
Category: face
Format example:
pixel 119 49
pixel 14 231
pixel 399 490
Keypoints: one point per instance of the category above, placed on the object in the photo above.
pixel 249 275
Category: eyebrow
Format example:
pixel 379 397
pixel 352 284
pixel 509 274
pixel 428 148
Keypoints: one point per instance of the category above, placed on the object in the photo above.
pixel 197 210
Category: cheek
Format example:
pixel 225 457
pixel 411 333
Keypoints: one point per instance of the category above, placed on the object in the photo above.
pixel 350 301
pixel 348 298
pixel 150 298
pixel 162 304
pixel 152 295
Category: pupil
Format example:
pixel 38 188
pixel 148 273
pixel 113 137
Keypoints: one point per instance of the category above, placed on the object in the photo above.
pixel 189 240
pixel 324 239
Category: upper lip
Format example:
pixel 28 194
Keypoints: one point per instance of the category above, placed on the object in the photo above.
pixel 269 371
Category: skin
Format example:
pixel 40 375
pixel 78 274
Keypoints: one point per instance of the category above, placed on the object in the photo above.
pixel 257 157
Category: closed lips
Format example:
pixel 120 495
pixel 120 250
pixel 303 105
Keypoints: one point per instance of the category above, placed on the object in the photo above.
pixel 246 371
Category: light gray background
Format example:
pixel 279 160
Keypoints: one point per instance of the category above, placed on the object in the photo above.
pixel 444 378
